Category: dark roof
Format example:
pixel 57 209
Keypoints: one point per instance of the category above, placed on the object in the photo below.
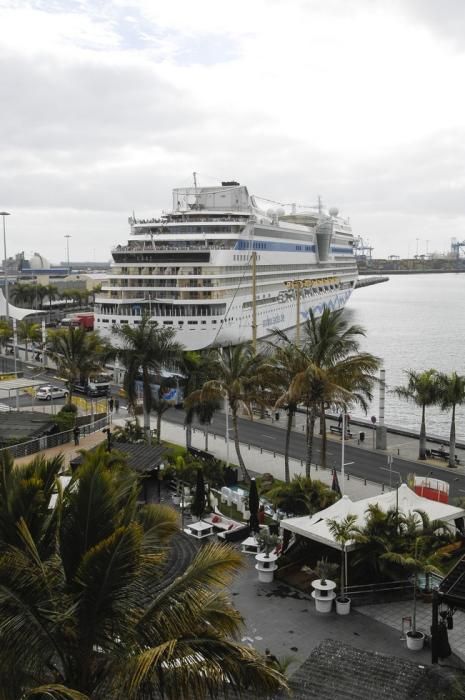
pixel 25 425
pixel 341 672
pixel 141 457
pixel 453 585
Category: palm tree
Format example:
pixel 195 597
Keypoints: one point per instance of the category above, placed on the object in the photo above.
pixel 29 332
pixel 6 332
pixel 336 344
pixel 236 371
pixel 330 369
pixel 22 294
pixel 78 354
pixel 197 368
pixel 51 293
pixel 94 618
pixel 301 496
pixel 451 395
pixel 146 350
pixel 278 374
pixel 422 388
pixel 343 531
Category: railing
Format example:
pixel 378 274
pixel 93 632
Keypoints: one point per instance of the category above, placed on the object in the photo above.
pixel 201 247
pixel 23 449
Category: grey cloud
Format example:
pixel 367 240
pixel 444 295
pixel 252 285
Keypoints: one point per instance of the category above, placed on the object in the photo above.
pixel 87 106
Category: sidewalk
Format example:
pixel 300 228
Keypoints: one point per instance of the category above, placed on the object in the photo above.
pixel 399 446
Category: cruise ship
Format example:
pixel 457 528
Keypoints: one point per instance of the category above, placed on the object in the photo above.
pixel 222 267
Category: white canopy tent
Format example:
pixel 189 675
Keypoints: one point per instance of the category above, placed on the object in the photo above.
pixel 315 527
pixel 14 311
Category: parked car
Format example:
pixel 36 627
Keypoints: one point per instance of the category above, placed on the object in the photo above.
pixel 47 393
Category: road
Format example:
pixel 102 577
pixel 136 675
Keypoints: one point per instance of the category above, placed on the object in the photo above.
pixel 361 462
pixel 364 463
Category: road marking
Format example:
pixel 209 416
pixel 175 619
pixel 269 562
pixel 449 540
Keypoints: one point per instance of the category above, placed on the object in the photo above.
pixel 270 437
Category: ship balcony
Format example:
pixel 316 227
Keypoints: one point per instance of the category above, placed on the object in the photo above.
pixel 195 247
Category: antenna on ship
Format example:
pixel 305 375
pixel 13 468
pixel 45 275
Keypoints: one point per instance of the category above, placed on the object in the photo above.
pixel 195 179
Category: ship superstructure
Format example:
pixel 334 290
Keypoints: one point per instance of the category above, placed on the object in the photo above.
pixel 190 269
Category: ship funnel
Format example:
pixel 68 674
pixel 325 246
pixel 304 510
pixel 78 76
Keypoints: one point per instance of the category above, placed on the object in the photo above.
pixel 324 234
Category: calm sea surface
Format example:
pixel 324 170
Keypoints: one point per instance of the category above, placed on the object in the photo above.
pixel 414 322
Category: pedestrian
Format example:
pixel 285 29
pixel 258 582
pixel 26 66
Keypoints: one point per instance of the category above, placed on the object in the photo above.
pixel 271 659
pixel 76 434
pixel 339 420
pixel 110 404
pixel 261 515
pixel 116 405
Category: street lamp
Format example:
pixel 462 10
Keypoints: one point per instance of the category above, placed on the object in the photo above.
pixel 67 236
pixel 4 214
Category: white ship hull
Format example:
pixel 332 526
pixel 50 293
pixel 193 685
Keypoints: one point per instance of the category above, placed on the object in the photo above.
pixel 191 270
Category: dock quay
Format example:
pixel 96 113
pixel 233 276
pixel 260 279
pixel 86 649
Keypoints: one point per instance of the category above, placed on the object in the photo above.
pixel 367 281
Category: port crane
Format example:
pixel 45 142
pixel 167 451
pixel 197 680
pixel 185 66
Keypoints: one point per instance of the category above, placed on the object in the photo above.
pixel 362 249
pixel 457 246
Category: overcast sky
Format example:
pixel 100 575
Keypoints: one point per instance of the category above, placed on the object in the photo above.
pixel 107 106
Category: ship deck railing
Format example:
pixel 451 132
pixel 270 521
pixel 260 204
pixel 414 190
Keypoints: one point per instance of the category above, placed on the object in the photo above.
pixel 157 248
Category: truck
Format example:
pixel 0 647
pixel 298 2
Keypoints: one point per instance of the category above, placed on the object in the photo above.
pixel 84 319
pixel 95 385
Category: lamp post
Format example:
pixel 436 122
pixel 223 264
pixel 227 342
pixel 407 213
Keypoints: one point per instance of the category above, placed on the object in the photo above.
pixel 4 214
pixel 67 236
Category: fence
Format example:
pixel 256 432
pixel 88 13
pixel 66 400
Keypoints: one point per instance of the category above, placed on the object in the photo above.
pixel 387 591
pixel 47 441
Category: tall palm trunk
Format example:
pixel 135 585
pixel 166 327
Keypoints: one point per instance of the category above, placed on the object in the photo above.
pixel 290 418
pixel 159 415
pixel 422 451
pixel 188 435
pixel 323 435
pixel 147 401
pixel 311 417
pixel 245 473
pixel 452 439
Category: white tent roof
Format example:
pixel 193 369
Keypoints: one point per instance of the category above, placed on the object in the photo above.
pixel 315 527
pixel 14 311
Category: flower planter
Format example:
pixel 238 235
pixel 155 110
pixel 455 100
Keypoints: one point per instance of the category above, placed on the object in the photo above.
pixel 415 640
pixel 266 566
pixel 323 595
pixel 176 500
pixel 343 606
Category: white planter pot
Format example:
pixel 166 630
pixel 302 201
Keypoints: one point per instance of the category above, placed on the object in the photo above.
pixel 323 605
pixel 415 643
pixel 265 576
pixel 266 566
pixel 343 606
pixel 176 500
pixel 323 595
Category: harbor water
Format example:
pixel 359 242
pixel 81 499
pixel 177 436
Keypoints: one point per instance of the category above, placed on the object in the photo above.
pixel 414 322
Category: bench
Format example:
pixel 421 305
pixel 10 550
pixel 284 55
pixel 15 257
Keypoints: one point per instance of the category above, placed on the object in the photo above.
pixel 336 429
pixel 226 528
pixel 441 454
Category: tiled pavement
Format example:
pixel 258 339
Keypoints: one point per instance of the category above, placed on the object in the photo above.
pixel 391 614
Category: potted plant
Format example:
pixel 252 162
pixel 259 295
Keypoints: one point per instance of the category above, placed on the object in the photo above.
pixel 420 561
pixel 343 531
pixel 266 558
pixel 323 588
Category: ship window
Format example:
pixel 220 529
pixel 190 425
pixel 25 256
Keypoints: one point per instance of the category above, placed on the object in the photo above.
pixel 106 320
pixel 203 323
pixel 213 321
pixel 122 321
pixel 167 323
pixel 192 323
